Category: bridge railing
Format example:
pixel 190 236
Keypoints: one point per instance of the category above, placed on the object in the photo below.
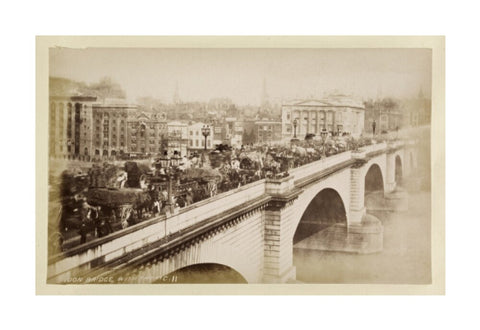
pixel 64 268
pixel 374 148
pixel 319 165
pixel 215 205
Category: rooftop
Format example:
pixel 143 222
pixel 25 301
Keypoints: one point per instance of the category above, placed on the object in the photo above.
pixel 334 100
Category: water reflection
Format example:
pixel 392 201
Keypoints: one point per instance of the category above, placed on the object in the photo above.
pixel 405 257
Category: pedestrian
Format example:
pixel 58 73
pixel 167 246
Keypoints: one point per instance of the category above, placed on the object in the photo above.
pixel 84 219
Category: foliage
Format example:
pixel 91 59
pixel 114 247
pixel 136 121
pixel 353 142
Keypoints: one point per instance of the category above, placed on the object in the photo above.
pixel 105 88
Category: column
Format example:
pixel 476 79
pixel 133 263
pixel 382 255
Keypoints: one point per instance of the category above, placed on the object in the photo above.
pixel 317 116
pixel 334 129
pixel 309 123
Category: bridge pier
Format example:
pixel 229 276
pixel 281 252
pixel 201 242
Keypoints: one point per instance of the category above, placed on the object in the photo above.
pixel 364 232
pixel 278 246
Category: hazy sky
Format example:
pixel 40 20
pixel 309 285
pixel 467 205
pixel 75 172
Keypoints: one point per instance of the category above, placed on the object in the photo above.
pixel 202 74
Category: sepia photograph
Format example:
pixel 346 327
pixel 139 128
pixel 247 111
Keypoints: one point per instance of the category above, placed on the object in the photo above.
pixel 294 164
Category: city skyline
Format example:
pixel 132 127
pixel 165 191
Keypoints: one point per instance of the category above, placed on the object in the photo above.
pixel 240 74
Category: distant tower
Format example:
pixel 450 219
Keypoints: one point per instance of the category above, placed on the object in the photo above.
pixel 176 97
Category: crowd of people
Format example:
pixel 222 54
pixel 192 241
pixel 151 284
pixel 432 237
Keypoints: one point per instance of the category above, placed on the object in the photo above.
pixel 198 176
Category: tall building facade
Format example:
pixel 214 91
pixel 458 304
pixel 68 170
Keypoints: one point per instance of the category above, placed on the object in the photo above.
pixel 81 127
pixel 177 137
pixel 268 131
pixel 110 129
pixel 196 139
pixel 147 133
pixel 337 114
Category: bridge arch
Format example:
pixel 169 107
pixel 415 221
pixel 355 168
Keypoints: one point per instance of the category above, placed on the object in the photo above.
pixel 210 253
pixel 327 208
pixel 203 273
pixel 374 179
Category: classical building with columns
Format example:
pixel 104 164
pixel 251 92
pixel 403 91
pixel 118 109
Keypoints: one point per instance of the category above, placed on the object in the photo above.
pixel 336 113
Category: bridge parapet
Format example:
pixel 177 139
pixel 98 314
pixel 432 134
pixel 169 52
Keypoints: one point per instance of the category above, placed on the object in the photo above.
pixel 319 165
pixel 373 148
pixel 281 186
pixel 66 266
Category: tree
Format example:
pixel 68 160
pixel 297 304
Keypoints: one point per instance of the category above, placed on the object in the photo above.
pixel 105 88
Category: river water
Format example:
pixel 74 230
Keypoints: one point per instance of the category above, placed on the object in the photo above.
pixel 405 258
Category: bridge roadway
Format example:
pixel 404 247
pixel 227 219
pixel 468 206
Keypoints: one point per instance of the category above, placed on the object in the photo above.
pixel 249 229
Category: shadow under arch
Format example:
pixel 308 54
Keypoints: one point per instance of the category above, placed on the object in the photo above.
pixel 203 273
pixel 374 179
pixel 326 209
pixel 398 170
pixel 374 188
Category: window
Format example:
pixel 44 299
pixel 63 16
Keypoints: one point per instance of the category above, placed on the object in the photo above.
pixel 191 143
pixel 196 143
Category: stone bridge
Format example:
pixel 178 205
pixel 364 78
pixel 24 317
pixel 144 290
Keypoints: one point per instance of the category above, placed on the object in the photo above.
pixel 253 229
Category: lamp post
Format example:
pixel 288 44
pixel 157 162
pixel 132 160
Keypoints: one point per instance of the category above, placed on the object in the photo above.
pixel 170 166
pixel 295 122
pixel 324 135
pixel 265 134
pixel 205 133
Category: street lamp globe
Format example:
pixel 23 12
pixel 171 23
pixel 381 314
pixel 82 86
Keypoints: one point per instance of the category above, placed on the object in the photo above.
pixel 324 134
pixel 175 160
pixel 205 130
pixel 205 133
pixel 165 161
pixel 295 122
